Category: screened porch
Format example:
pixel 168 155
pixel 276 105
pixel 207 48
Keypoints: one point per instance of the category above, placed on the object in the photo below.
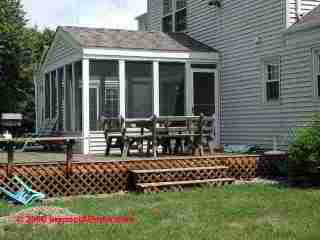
pixel 92 73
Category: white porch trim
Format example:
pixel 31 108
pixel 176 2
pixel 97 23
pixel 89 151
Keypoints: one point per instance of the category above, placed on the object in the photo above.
pixel 156 100
pixel 154 55
pixel 85 105
pixel 122 86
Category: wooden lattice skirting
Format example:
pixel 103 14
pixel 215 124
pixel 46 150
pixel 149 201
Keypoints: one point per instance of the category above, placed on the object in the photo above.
pixel 58 179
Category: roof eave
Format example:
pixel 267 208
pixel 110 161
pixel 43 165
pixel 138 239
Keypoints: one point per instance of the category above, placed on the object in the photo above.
pixel 301 27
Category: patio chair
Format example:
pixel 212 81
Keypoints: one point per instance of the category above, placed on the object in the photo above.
pixel 135 133
pixel 113 128
pixel 25 195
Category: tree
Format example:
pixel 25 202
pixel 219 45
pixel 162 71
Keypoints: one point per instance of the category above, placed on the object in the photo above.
pixel 12 56
pixel 20 49
pixel 36 41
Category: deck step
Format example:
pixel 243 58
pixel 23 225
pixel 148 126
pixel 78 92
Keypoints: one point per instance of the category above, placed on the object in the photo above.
pixel 178 169
pixel 156 187
pixel 178 174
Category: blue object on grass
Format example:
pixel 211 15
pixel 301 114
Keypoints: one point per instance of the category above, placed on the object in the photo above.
pixel 25 195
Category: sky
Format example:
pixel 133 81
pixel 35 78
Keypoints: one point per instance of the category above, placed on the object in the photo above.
pixel 119 14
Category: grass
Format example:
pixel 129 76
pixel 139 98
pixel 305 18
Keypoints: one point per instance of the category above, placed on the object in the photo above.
pixel 233 212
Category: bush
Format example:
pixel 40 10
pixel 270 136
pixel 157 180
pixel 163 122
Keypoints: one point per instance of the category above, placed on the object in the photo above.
pixel 304 152
pixel 281 168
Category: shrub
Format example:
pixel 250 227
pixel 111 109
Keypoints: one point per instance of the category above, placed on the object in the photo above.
pixel 304 152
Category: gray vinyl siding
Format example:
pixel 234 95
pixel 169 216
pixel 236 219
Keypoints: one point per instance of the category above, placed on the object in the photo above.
pixel 233 30
pixel 61 50
pixel 154 14
pixel 300 100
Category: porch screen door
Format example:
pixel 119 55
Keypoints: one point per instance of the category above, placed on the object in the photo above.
pixel 93 96
pixel 204 93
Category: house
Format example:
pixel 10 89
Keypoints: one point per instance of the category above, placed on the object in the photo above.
pixel 254 65
pixel 269 52
pixel 143 22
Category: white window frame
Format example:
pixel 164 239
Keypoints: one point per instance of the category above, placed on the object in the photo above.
pixel 264 67
pixel 316 72
pixel 173 13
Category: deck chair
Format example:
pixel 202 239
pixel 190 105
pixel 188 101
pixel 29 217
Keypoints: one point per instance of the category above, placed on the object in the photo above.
pixel 25 195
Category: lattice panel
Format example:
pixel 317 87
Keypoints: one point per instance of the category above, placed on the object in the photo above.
pixel 179 176
pixel 242 168
pixel 107 177
pixel 84 179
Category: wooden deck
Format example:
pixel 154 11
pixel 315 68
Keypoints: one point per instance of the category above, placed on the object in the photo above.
pixel 96 174
pixel 60 157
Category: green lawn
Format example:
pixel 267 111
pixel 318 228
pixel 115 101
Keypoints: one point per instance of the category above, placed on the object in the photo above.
pixel 232 212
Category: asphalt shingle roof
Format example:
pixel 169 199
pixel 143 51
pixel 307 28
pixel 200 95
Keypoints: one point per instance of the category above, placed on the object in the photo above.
pixel 125 39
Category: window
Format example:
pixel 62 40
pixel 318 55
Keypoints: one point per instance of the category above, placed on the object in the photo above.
pixel 318 73
pixel 316 55
pixel 68 100
pixel 61 97
pixel 167 24
pixel 53 95
pixel 174 16
pixel 47 96
pixel 272 80
pixel 181 20
pixel 167 7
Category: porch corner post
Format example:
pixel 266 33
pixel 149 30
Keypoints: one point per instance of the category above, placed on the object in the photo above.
pixel 188 89
pixel 122 80
pixel 218 106
pixel 85 105
pixel 156 100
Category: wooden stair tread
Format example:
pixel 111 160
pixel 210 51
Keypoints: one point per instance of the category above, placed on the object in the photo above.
pixel 178 169
pixel 159 184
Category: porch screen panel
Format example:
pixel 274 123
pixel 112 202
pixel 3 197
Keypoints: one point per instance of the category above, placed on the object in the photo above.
pixel 68 101
pixel 172 89
pixel 104 76
pixel 78 95
pixel 53 95
pixel 47 96
pixel 61 97
pixel 139 89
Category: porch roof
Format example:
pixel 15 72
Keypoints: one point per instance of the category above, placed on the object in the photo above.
pixel 135 40
pixel 310 20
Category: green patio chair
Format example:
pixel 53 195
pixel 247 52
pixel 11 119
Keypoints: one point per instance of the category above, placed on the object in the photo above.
pixel 25 195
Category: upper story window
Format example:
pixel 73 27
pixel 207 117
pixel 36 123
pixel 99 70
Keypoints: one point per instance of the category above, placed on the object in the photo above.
pixel 271 68
pixel 318 73
pixel 167 7
pixel 174 17
pixel 316 55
